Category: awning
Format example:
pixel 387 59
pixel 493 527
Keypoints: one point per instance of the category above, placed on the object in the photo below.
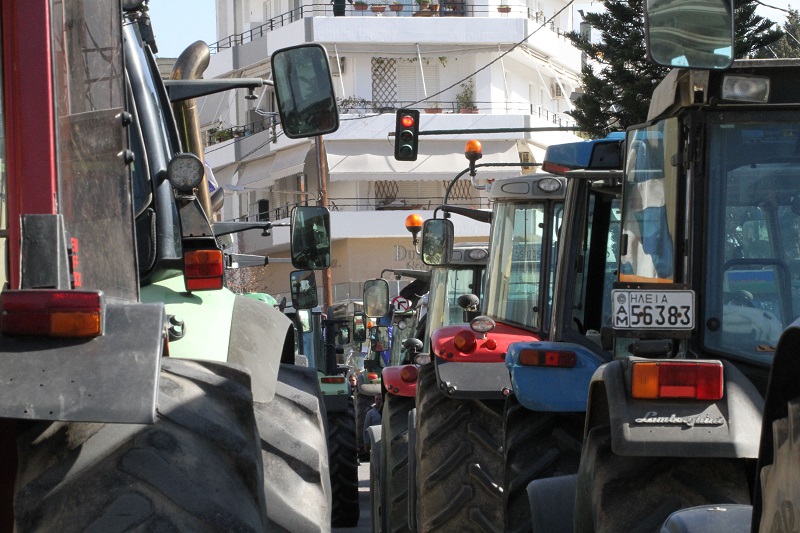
pixel 439 160
pixel 263 173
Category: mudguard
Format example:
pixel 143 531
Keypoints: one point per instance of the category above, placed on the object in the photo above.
pixel 783 387
pixel 552 503
pixel 551 389
pixel 395 385
pixel 731 518
pixel 112 378
pixel 676 428
pixel 221 326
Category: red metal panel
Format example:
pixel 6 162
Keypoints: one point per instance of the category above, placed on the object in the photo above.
pixel 502 335
pixel 30 123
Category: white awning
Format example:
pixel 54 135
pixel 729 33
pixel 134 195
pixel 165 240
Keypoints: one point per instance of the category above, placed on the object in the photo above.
pixel 439 160
pixel 288 162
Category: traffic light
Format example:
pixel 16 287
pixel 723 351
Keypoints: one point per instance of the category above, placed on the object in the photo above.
pixel 406 135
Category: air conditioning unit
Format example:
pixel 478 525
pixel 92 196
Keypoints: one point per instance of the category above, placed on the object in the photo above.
pixel 335 71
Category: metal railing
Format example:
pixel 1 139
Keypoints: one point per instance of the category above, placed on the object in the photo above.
pixel 446 8
pixel 338 203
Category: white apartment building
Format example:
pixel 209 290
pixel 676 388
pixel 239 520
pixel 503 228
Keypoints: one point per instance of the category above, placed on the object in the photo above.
pixel 465 64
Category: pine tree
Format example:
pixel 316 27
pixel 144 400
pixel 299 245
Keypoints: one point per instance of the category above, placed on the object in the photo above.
pixel 619 80
pixel 789 44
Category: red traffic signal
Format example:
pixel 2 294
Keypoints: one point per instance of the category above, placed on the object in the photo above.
pixel 406 135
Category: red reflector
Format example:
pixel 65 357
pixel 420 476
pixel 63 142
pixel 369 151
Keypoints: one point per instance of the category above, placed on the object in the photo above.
pixel 678 379
pixel 52 313
pixel 407 121
pixel 553 168
pixel 409 374
pixel 203 270
pixel 560 359
pixel 372 376
pixel 332 379
pixel 464 341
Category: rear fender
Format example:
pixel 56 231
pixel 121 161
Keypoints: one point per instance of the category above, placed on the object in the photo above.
pixel 395 384
pixel 676 428
pixel 550 389
pixel 442 343
pixel 112 378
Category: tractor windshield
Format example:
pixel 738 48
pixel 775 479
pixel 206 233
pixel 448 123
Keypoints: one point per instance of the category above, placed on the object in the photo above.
pixel 94 183
pixel 404 325
pixel 523 236
pixel 447 284
pixel 753 259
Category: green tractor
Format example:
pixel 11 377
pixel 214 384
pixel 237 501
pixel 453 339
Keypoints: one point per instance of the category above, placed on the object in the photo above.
pixel 313 330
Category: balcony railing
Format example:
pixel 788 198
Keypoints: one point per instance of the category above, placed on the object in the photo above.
pixel 447 8
pixel 371 204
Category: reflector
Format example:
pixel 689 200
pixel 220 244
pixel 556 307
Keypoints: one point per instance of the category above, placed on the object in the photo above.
pixel 553 358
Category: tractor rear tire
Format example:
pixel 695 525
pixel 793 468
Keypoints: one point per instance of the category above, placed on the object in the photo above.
pixel 536 445
pixel 198 468
pixel 375 486
pixel 295 453
pixel 625 493
pixel 779 485
pixel 412 469
pixel 343 460
pixel 394 438
pixel 362 402
pixel 459 460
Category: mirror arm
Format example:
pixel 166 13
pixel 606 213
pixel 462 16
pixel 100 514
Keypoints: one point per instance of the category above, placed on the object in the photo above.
pixel 474 214
pixel 224 228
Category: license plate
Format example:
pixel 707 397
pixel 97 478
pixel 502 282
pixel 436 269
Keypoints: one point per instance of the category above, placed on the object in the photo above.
pixel 652 309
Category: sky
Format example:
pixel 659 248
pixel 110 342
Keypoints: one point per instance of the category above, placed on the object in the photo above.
pixel 195 20
pixel 179 23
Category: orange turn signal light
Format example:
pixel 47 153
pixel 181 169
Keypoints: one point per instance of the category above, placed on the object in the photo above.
pixel 464 341
pixel 409 374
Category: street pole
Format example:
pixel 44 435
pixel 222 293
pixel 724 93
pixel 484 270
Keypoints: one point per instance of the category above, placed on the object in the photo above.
pixel 322 180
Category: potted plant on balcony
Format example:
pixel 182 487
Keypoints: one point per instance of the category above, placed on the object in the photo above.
pixel 503 8
pixel 433 108
pixel 360 5
pixel 434 7
pixel 396 6
pixel 423 4
pixel 378 7
pixel 465 100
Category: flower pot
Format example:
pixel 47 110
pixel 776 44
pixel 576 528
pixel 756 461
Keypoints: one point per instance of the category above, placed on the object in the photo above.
pixel 433 110
pixel 504 9
pixel 396 7
pixel 378 9
pixel 360 7
pixel 468 110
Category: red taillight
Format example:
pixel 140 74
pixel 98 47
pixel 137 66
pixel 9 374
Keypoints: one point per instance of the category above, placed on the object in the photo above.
pixel 372 376
pixel 555 358
pixel 409 374
pixel 677 379
pixel 52 313
pixel 332 379
pixel 203 270
pixel 554 168
pixel 464 341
